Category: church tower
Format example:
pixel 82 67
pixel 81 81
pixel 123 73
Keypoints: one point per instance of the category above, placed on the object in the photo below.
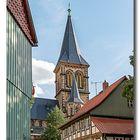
pixel 70 63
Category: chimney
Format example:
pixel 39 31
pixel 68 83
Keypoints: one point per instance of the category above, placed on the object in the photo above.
pixel 105 85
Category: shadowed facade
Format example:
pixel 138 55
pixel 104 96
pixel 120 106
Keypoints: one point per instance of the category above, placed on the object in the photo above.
pixel 21 37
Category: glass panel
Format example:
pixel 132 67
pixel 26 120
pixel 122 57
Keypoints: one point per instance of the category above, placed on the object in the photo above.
pixel 19 73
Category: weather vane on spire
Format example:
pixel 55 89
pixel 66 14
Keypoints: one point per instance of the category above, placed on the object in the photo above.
pixel 69 10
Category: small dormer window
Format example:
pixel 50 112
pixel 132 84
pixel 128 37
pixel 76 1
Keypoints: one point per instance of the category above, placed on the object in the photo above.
pixel 130 103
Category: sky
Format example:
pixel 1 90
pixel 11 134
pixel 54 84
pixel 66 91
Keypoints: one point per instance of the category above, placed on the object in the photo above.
pixel 104 30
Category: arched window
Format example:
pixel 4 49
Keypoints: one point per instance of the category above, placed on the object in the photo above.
pixel 79 79
pixel 69 78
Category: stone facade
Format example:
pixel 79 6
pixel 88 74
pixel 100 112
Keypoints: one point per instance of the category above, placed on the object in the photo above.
pixel 37 127
pixel 63 89
pixel 71 64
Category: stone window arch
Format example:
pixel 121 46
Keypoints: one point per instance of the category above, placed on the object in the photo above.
pixel 69 78
pixel 79 79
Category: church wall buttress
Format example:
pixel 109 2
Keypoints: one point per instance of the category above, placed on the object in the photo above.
pixel 62 76
pixel 84 97
pixel 86 79
pixel 59 98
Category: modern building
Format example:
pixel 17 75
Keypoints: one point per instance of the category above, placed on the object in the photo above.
pixel 70 63
pixel 39 114
pixel 107 116
pixel 21 37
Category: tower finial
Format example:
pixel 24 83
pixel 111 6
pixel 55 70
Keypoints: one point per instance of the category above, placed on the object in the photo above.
pixel 69 10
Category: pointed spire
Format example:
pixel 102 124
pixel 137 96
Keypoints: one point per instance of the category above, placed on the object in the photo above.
pixel 69 10
pixel 74 95
pixel 69 51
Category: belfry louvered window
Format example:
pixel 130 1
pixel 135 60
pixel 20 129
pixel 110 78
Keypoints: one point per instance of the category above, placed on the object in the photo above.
pixel 79 79
pixel 69 78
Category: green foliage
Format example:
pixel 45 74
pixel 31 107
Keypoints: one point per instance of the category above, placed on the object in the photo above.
pixel 128 89
pixel 54 120
pixel 32 101
pixel 131 57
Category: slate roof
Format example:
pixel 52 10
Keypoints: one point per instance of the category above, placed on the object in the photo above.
pixel 69 51
pixel 114 126
pixel 42 107
pixel 74 95
pixel 97 100
pixel 20 10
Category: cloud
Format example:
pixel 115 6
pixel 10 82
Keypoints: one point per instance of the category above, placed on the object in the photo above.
pixel 42 72
pixel 43 91
pixel 39 92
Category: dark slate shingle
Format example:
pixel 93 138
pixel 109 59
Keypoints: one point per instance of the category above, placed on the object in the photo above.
pixel 74 95
pixel 69 51
pixel 42 107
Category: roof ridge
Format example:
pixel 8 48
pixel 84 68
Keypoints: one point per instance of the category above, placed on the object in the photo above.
pixel 106 125
pixel 45 98
pixel 77 46
pixel 27 28
pixel 110 118
pixel 100 97
pixel 116 82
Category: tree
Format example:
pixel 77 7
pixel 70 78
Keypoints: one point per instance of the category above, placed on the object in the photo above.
pixel 54 120
pixel 128 89
pixel 32 100
pixel 131 57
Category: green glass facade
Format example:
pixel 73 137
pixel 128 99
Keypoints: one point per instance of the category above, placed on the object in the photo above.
pixel 19 81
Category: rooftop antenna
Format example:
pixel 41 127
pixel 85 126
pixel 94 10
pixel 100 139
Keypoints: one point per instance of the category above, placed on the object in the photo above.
pixel 69 10
pixel 95 83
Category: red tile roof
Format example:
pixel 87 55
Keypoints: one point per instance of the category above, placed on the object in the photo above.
pixel 21 12
pixel 114 126
pixel 97 100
